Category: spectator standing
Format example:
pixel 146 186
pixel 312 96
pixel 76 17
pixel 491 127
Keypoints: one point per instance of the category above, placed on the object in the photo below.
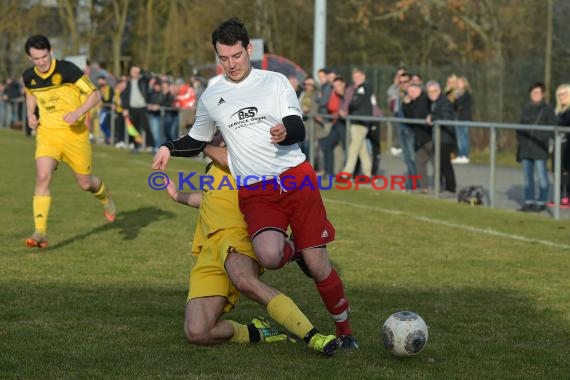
pixel 118 114
pixel 360 105
pixel 563 115
pixel 14 101
pixel 393 97
pixel 532 150
pixel 154 115
pixel 337 133
pixel 442 109
pixel 417 106
pixel 406 132
pixel 170 121
pixel 105 108
pixel 463 111
pixel 133 102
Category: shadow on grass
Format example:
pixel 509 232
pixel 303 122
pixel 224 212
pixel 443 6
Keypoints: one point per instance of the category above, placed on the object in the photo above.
pixel 474 333
pixel 129 224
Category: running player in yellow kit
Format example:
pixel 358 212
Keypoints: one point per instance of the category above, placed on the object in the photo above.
pixel 225 265
pixel 63 95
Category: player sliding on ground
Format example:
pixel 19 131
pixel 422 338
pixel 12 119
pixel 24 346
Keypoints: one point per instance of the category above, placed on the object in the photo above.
pixel 63 94
pixel 225 265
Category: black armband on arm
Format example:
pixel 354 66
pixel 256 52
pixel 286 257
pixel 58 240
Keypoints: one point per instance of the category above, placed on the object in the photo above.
pixel 185 147
pixel 295 130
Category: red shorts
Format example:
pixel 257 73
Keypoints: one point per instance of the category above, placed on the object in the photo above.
pixel 295 201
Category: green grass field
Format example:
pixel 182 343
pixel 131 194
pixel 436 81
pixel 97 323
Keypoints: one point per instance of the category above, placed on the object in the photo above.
pixel 106 301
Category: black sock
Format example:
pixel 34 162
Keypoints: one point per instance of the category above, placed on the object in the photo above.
pixel 310 334
pixel 254 335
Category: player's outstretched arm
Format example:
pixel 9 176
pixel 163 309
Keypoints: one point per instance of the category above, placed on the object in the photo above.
pixel 188 199
pixel 161 159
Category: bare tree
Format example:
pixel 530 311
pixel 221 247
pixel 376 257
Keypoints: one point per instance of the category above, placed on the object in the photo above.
pixel 120 9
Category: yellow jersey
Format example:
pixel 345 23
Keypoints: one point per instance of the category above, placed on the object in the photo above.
pixel 59 91
pixel 219 208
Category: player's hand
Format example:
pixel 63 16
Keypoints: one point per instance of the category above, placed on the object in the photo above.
pixel 171 190
pixel 33 121
pixel 278 133
pixel 72 117
pixel 428 119
pixel 161 159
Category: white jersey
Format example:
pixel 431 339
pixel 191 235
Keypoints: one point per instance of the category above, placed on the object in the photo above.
pixel 244 112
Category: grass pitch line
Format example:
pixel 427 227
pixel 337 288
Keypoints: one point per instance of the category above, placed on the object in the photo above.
pixel 485 231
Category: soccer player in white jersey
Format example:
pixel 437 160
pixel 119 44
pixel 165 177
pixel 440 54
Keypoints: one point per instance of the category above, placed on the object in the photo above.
pixel 260 118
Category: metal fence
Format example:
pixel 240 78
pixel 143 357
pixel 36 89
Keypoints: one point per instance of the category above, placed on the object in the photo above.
pixel 14 115
pixel 386 123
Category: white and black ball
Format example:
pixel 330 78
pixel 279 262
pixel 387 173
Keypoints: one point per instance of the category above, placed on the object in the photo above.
pixel 404 333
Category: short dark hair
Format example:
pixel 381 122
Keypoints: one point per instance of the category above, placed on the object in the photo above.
pixel 537 85
pixel 339 79
pixel 38 41
pixel 230 32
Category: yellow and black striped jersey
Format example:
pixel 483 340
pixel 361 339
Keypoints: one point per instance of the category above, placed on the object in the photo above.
pixel 59 91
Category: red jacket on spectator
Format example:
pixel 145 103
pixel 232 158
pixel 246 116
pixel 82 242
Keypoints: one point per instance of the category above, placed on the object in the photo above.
pixel 186 97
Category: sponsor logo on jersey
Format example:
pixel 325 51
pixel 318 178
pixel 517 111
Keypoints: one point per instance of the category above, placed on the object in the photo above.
pixel 245 117
pixel 221 101
pixel 33 82
pixel 245 113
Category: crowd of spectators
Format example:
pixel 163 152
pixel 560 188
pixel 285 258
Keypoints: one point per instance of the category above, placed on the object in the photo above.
pixel 161 108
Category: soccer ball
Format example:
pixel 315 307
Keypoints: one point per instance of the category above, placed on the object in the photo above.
pixel 404 333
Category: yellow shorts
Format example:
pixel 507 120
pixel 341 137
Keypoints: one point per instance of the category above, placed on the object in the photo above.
pixel 208 276
pixel 71 145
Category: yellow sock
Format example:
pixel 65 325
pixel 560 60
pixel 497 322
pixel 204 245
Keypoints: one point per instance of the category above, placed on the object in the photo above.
pixel 102 194
pixel 285 312
pixel 241 333
pixel 41 204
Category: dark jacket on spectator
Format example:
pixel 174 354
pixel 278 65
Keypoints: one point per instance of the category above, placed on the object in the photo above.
pixel 462 107
pixel 361 103
pixel 143 87
pixel 442 109
pixel 533 145
pixel 418 109
pixel 323 98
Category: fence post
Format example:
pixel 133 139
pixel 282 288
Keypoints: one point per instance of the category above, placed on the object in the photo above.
pixel 437 160
pixel 389 138
pixel 557 172
pixel 492 163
